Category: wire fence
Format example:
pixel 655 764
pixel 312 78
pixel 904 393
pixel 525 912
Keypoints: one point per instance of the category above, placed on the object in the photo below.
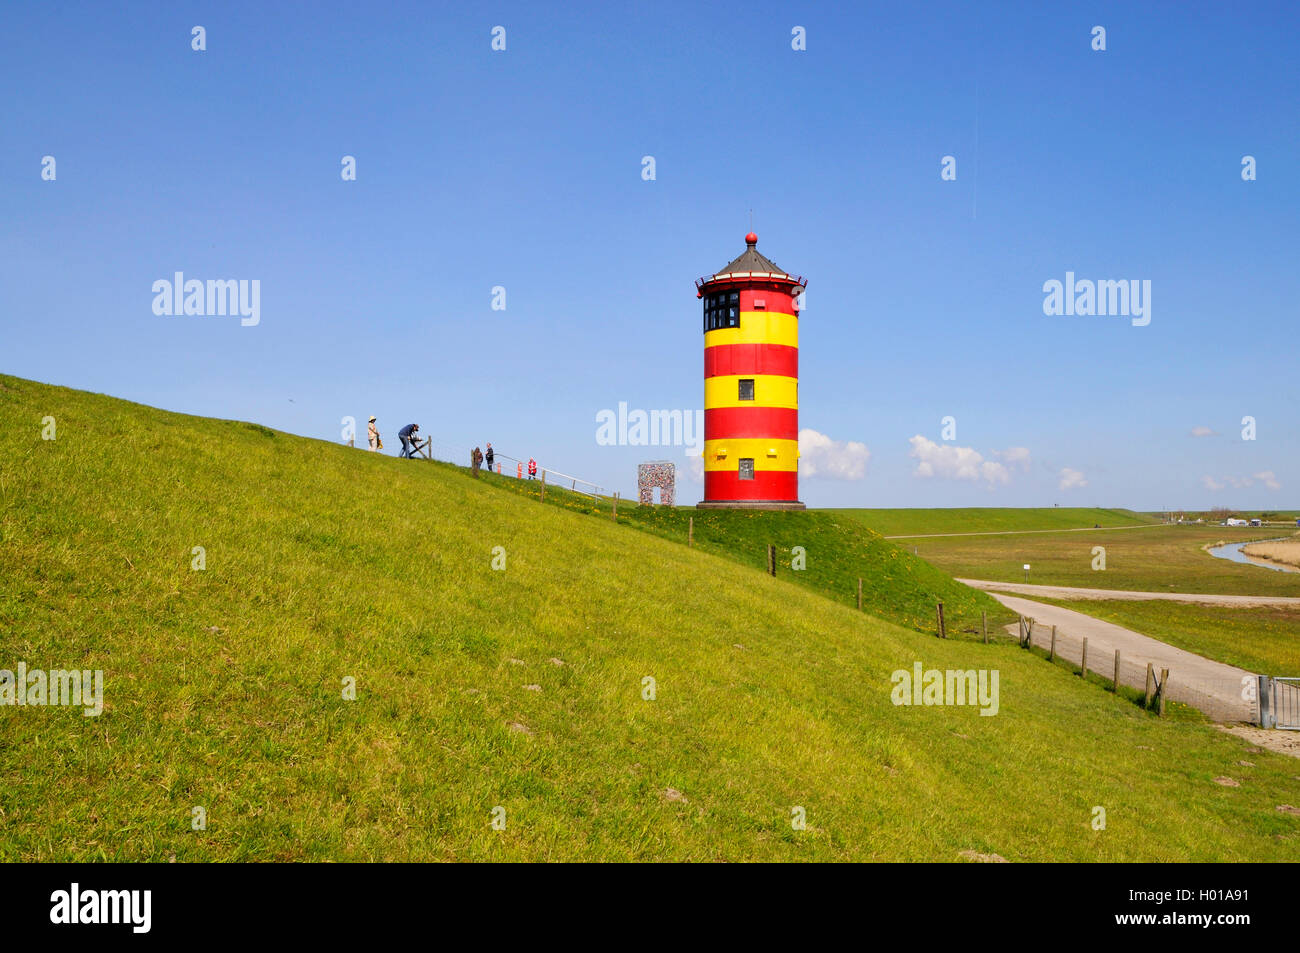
pixel 1225 695
pixel 430 448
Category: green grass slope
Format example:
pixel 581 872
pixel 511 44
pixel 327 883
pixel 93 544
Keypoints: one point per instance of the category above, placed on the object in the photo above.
pixel 520 688
pixel 836 553
pixel 989 519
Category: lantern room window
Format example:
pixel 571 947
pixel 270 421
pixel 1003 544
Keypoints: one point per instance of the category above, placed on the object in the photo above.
pixel 722 310
pixel 746 468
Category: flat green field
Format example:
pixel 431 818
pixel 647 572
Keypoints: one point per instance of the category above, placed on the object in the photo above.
pixel 606 693
pixel 1159 559
pixel 991 519
pixel 1259 639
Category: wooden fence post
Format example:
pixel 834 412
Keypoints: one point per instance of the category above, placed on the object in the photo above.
pixel 859 593
pixel 1146 692
pixel 943 632
pixel 1164 685
pixel 771 559
pixel 1084 662
pixel 1051 653
pixel 543 486
pixel 690 531
pixel 984 621
pixel 1116 685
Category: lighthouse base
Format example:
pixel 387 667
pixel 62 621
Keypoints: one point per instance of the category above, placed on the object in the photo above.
pixel 750 505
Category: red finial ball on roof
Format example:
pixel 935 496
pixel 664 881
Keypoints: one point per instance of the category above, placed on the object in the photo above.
pixel 751 239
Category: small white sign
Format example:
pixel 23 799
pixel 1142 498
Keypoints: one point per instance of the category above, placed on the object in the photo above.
pixel 1026 567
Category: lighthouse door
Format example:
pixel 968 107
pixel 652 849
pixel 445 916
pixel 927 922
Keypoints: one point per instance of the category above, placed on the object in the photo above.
pixel 747 468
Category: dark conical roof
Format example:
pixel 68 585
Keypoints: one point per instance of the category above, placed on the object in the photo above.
pixel 751 260
pixel 750 264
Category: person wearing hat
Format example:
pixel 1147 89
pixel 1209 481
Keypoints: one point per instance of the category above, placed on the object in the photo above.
pixel 372 434
pixel 410 442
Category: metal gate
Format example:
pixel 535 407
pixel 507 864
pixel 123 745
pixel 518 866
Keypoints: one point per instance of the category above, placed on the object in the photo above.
pixel 1279 702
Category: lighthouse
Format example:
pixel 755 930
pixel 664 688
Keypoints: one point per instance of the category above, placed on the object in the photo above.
pixel 751 384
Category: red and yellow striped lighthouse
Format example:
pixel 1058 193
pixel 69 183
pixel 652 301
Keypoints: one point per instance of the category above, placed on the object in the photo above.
pixel 751 384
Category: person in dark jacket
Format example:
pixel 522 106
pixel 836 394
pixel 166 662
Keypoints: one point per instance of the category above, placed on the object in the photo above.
pixel 487 457
pixel 410 442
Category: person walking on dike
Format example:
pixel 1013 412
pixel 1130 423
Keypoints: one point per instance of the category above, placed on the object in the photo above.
pixel 532 469
pixel 488 458
pixel 372 435
pixel 410 442
pixel 475 461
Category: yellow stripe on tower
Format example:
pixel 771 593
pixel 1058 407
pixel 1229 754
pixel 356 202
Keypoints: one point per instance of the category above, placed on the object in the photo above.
pixel 766 454
pixel 769 391
pixel 758 327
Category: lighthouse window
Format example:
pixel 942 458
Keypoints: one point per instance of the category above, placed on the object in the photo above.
pixel 746 468
pixel 746 388
pixel 721 310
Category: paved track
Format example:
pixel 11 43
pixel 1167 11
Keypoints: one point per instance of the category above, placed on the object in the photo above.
pixel 1224 692
pixel 1068 592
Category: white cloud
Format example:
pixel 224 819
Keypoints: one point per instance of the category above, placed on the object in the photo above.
pixel 1071 479
pixel 1266 477
pixel 1202 432
pixel 1014 456
pixel 820 456
pixel 954 463
pixel 1269 479
pixel 695 467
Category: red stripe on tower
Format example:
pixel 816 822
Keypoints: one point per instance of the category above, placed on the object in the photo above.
pixel 765 487
pixel 780 423
pixel 721 360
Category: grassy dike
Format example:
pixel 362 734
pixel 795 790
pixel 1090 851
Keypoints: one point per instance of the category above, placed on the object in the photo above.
pixel 837 551
pixel 520 688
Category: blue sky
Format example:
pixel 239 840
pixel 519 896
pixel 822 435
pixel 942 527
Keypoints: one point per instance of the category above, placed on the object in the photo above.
pixel 523 169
